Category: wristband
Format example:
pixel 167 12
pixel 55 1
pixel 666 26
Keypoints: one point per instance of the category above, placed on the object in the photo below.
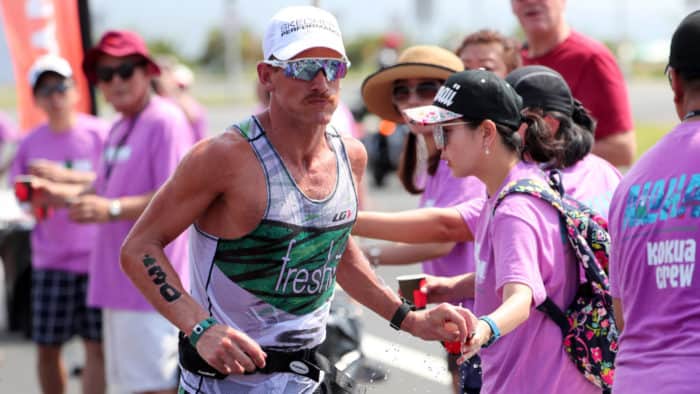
pixel 495 333
pixel 400 315
pixel 199 329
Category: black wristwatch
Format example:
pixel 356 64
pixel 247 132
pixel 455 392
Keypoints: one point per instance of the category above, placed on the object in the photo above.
pixel 400 314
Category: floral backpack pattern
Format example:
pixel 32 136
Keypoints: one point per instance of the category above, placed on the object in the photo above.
pixel 588 324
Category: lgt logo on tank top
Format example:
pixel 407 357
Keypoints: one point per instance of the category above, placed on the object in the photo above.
pixel 342 215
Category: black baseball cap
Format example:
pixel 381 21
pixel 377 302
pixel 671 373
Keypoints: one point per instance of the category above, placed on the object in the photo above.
pixel 685 51
pixel 472 95
pixel 542 87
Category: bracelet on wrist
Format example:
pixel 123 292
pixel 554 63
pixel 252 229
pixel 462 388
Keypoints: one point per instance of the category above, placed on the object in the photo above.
pixel 200 328
pixel 495 332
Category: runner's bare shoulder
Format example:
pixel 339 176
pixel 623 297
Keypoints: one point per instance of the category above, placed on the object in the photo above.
pixel 219 159
pixel 356 153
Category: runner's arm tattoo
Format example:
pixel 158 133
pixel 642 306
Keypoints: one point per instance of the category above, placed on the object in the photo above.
pixel 167 291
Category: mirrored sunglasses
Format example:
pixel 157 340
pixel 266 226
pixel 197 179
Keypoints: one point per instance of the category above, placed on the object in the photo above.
pixel 306 69
pixel 124 70
pixel 48 90
pixel 424 91
pixel 440 134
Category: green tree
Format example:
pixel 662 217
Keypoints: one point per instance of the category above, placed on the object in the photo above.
pixel 213 55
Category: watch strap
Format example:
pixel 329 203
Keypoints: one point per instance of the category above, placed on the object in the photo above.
pixel 400 314
pixel 200 328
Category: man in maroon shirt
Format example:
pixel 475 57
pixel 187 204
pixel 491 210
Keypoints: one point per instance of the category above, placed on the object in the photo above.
pixel 588 67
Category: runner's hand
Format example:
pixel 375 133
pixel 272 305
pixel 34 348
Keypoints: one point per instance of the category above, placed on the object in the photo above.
pixel 230 351
pixel 433 324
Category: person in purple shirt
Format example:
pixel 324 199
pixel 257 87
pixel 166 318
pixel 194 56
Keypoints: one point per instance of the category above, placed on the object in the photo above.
pixel 585 176
pixel 9 134
pixel 413 81
pixel 518 250
pixel 174 83
pixel 8 129
pixel 521 258
pixel 654 221
pixel 61 248
pixel 142 150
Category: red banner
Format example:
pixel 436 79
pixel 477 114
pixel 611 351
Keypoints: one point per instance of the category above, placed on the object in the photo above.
pixel 34 28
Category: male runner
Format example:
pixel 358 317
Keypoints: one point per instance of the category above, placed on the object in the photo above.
pixel 272 201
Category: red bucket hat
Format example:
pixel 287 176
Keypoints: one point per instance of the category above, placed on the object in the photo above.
pixel 117 43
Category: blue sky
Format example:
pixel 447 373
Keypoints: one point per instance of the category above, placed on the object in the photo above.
pixel 186 22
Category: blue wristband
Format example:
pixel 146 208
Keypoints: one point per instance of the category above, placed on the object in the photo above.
pixel 199 329
pixel 495 333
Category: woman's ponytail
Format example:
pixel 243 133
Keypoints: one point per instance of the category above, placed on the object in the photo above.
pixel 540 144
pixel 575 133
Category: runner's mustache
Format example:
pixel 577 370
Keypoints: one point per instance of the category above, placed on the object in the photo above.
pixel 319 96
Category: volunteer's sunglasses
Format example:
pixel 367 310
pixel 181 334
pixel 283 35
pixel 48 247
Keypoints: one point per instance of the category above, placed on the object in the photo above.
pixel 124 70
pixel 306 69
pixel 440 134
pixel 49 90
pixel 424 91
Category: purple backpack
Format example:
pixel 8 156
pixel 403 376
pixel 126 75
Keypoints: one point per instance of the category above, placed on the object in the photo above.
pixel 588 324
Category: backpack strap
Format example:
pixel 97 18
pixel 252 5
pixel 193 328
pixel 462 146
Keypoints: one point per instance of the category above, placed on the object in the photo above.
pixel 556 314
pixel 569 214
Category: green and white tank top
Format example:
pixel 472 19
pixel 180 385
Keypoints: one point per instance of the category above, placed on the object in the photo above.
pixel 276 282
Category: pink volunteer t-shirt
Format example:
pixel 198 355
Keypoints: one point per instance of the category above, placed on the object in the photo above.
pixel 522 243
pixel 592 181
pixel 157 142
pixel 655 231
pixel 57 242
pixel 444 190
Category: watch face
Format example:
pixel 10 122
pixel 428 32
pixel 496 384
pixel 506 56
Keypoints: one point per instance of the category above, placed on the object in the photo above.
pixel 197 329
pixel 115 208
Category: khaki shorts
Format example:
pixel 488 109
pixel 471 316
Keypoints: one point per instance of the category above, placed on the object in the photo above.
pixel 140 351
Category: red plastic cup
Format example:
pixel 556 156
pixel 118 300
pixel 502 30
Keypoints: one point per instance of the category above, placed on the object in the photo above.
pixel 410 286
pixel 23 188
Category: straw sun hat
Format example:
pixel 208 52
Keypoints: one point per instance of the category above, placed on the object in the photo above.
pixel 422 61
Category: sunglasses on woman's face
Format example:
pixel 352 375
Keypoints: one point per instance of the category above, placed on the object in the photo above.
pixel 124 70
pixel 424 90
pixel 306 69
pixel 440 133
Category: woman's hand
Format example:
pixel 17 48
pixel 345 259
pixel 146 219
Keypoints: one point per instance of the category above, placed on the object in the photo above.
pixel 448 289
pixel 481 335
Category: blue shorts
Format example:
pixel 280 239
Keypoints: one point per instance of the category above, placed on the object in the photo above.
pixel 470 375
pixel 59 308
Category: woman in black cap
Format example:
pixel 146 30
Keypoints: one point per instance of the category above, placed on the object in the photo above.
pixel 521 258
